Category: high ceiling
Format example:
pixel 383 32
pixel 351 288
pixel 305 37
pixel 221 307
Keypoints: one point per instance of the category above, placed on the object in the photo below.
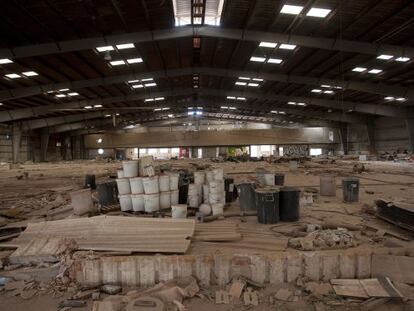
pixel 199 65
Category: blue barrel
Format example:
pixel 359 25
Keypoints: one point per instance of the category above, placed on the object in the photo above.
pixel 267 202
pixel 350 189
pixel 247 196
pixel 289 203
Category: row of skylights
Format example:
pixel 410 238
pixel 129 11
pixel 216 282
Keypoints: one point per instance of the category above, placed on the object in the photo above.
pixel 236 98
pixel 195 12
pixel 319 91
pixel 277 112
pixel 331 86
pixel 297 9
pixel 227 107
pixel 118 47
pixel 26 73
pixel 392 98
pixel 162 109
pixel 273 45
pixel 138 84
pixel 195 113
pixel 129 61
pixel 392 57
pixel 67 94
pixel 268 60
pixel 251 79
pixel 363 69
pixel 296 104
pixel 247 84
pixel 246 81
pixel 191 108
pixel 4 61
pixel 109 115
pixel 95 106
pixel 154 99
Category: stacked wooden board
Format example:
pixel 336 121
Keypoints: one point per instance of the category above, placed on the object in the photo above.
pixel 220 231
pixel 116 233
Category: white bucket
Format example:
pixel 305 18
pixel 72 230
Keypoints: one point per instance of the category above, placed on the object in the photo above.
pixel 193 201
pixel 205 209
pixel 174 196
pixel 199 177
pixel 150 185
pixel 206 191
pixel 209 176
pixel 192 189
pixel 218 174
pixel 165 199
pixel 269 179
pixel 123 186
pixel 151 202
pixel 218 209
pixel 125 201
pixel 214 198
pixel 179 211
pixel 137 202
pixel 130 168
pixel 216 186
pixel 136 185
pixel 174 177
pixel 120 173
pixel 164 183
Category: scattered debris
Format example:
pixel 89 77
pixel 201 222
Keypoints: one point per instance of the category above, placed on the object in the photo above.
pixel 222 297
pixel 111 289
pixel 250 297
pixel 324 239
pixel 283 294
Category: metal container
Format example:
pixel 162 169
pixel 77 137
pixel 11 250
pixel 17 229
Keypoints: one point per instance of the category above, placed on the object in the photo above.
pixel 267 202
pixel 289 204
pixel 107 193
pixel 279 179
pixel 90 181
pixel 350 189
pixel 229 188
pixel 327 185
pixel 260 176
pixel 183 193
pixel 247 196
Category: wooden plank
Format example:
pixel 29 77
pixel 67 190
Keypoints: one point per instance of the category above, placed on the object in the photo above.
pixel 374 288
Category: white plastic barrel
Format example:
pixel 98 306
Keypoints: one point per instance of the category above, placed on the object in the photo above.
pixel 137 186
pixel 269 179
pixel 137 202
pixel 179 211
pixel 120 173
pixel 174 196
pixel 214 198
pixel 130 168
pixel 125 201
pixel 209 176
pixel 193 201
pixel 199 177
pixel 123 186
pixel 206 191
pixel 174 177
pixel 218 174
pixel 165 199
pixel 150 185
pixel 217 209
pixel 151 202
pixel 205 209
pixel 164 183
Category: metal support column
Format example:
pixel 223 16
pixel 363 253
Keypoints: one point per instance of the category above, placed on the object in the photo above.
pixel 16 141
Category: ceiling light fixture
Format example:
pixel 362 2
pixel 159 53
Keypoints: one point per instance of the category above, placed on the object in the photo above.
pixel 4 61
pixel 257 59
pixel 231 97
pixel 316 91
pixel 147 79
pixel 105 48
pixel 125 46
pixel 253 84
pixel 258 79
pixel 150 84
pixel 30 73
pixel 134 60
pixel 301 104
pixel 88 107
pixel 401 99
pixel 13 76
pixel 375 71
pixel 97 106
pixel 287 46
pixel 274 60
pixel 232 108
pixel 73 94
pixel 241 98
pixel 318 12
pixel 244 78
pixel 389 98
pixel 224 107
pixel 271 45
pixel 402 59
pixel 240 83
pixel 60 95
pixel 328 92
pixel 137 86
pixel 149 99
pixel 117 62
pixel 359 69
pixel 385 56
pixel 292 103
pixel 291 9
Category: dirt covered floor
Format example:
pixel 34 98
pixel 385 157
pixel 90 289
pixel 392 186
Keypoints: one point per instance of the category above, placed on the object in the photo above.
pixel 38 192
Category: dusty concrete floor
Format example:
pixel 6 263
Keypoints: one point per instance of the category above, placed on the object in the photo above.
pixel 46 182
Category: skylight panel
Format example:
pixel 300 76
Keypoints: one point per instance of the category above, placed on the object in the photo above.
pixel 240 83
pixel 134 60
pixel 359 69
pixel 318 12
pixel 287 46
pixel 253 84
pixel 117 62
pixel 274 60
pixel 4 61
pixel 402 59
pixel 375 71
pixel 384 56
pixel 105 48
pixel 13 75
pixel 125 46
pixel 257 59
pixel 291 9
pixel 30 73
pixel 137 86
pixel 271 45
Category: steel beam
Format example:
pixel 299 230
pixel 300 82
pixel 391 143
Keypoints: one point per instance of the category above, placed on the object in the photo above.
pixel 375 88
pixel 333 44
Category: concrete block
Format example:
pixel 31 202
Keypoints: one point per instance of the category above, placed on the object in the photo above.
pixel 312 265
pixel 221 269
pixel 165 268
pixel 184 266
pixel 204 269
pixel 330 266
pixel 347 265
pixel 259 268
pixel 398 251
pixel 110 270
pixel 147 271
pixel 241 265
pixel 91 271
pixel 294 267
pixel 363 265
pixel 129 272
pixel 277 270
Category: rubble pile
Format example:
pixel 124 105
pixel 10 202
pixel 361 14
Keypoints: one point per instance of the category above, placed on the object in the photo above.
pixel 324 239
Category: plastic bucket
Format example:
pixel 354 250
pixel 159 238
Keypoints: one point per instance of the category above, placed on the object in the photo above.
pixel 267 202
pixel 350 189
pixel 151 202
pixel 164 183
pixel 126 202
pixel 174 197
pixel 123 186
pixel 82 202
pixel 269 179
pixel 130 168
pixel 150 185
pixel 165 200
pixel 193 201
pixel 218 174
pixel 137 186
pixel 217 209
pixel 247 196
pixel 205 209
pixel 199 177
pixel 137 202
pixel 327 185
pixel 120 173
pixel 179 211
pixel 174 177
pixel 289 204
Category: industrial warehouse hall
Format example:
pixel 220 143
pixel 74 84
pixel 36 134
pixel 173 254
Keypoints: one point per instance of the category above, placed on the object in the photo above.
pixel 173 155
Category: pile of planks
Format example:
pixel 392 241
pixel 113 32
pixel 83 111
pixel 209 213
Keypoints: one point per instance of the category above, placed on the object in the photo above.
pixel 219 231
pixel 115 233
